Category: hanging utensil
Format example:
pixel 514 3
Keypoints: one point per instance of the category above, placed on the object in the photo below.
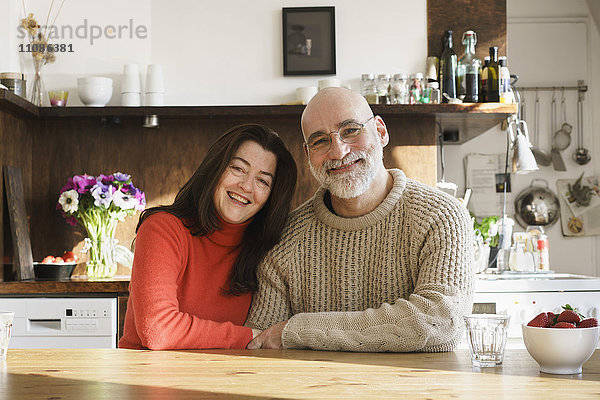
pixel 581 155
pixel 560 139
pixel 541 156
pixel 566 127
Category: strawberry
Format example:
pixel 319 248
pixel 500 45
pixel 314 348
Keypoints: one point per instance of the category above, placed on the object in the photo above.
pixel 540 320
pixel 564 325
pixel 569 316
pixel 587 323
pixel 551 319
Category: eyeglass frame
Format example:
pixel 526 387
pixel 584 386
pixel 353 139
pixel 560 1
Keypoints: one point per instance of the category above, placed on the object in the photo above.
pixel 329 134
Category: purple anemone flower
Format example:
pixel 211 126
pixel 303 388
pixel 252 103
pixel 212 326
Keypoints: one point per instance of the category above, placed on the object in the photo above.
pixel 106 179
pixel 84 183
pixel 141 198
pixel 102 194
pixel 121 177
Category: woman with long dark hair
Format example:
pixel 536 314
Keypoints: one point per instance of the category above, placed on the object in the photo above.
pixel 194 268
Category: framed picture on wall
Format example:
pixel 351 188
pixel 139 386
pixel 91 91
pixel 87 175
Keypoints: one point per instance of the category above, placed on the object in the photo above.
pixel 308 40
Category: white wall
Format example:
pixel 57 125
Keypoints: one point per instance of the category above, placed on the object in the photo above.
pixel 574 255
pixel 226 52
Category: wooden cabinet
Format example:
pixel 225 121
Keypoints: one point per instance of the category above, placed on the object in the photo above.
pixel 52 144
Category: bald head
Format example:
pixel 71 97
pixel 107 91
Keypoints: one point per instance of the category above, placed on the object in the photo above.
pixel 334 104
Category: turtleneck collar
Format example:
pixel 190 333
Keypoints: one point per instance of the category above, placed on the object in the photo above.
pixel 230 235
pixel 351 224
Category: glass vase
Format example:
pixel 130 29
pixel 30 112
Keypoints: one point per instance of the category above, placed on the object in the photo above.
pixel 100 246
pixel 37 88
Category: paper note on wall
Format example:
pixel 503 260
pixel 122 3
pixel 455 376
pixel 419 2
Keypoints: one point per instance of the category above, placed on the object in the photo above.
pixel 485 176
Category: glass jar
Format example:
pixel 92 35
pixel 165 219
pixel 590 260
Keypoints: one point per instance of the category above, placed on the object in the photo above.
pixel 399 89
pixel 383 88
pixel 415 91
pixel 368 88
pixel 434 93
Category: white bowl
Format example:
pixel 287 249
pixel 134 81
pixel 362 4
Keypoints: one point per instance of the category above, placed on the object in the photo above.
pixel 94 91
pixel 560 351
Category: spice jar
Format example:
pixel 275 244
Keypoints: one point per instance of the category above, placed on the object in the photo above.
pixel 15 82
pixel 368 88
pixel 415 91
pixel 399 89
pixel 383 87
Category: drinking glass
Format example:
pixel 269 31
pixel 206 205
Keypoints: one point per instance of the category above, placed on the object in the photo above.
pixel 486 335
pixel 6 320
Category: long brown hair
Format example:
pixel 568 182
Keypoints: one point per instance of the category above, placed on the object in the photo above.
pixel 194 203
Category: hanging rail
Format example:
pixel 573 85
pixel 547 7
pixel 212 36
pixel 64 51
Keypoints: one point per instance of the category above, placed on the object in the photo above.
pixel 581 88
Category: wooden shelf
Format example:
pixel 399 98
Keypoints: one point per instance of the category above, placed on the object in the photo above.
pixel 67 286
pixel 469 120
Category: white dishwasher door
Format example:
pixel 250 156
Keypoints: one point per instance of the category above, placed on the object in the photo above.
pixel 68 322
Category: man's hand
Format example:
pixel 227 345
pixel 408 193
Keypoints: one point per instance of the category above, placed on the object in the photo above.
pixel 269 339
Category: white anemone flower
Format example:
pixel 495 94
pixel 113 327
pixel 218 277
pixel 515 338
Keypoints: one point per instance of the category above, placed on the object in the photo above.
pixel 69 201
pixel 124 201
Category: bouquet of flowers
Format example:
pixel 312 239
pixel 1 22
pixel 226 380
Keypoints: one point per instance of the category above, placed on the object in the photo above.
pixel 98 203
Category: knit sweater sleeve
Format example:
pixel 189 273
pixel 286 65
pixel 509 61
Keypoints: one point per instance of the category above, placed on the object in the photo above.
pixel 429 320
pixel 160 255
pixel 270 304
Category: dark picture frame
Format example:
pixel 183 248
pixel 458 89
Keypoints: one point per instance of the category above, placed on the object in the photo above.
pixel 308 41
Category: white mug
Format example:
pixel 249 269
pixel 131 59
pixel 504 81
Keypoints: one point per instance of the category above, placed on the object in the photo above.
pixel 330 82
pixel 154 79
pixel 304 94
pixel 132 99
pixel 131 79
pixel 155 99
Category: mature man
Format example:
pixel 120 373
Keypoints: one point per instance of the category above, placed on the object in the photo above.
pixel 374 261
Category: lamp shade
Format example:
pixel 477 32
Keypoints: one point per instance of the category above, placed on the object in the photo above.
pixel 523 160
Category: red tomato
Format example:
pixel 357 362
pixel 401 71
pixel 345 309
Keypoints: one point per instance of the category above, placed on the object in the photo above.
pixel 59 260
pixel 48 260
pixel 69 256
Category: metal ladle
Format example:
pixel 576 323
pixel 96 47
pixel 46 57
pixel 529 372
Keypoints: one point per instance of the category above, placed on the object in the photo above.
pixel 581 155
pixel 541 156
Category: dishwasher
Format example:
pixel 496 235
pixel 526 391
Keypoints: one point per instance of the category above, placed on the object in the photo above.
pixel 66 322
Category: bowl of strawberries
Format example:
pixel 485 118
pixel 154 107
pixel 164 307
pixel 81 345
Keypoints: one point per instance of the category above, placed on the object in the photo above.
pixel 545 337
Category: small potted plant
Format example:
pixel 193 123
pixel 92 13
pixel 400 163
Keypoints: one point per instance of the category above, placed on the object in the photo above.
pixel 486 237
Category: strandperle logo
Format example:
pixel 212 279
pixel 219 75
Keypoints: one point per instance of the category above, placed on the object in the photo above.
pixel 92 32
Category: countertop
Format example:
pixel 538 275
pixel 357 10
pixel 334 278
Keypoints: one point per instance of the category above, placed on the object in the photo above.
pixel 289 374
pixel 70 286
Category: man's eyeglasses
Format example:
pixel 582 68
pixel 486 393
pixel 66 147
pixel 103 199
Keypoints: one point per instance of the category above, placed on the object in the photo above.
pixel 348 132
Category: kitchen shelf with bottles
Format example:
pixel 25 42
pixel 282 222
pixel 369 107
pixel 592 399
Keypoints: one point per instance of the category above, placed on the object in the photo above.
pixel 469 120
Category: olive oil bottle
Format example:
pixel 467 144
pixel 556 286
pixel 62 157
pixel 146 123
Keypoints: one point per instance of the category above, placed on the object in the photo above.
pixel 448 65
pixel 493 77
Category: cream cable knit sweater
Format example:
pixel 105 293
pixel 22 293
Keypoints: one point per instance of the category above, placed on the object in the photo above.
pixel 396 279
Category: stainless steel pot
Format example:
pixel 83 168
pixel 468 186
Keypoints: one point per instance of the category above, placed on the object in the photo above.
pixel 537 205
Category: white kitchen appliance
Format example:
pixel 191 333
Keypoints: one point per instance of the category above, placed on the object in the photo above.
pixel 42 322
pixel 523 296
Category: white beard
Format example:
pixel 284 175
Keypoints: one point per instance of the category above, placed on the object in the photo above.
pixel 351 184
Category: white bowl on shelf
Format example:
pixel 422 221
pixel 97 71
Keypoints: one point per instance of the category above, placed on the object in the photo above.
pixel 560 351
pixel 94 91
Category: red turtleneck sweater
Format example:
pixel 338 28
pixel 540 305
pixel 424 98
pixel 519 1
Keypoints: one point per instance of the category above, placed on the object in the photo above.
pixel 175 297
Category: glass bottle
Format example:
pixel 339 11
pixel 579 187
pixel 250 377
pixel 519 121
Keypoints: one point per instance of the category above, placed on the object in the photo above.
pixel 448 64
pixel 368 89
pixel 483 87
pixel 506 95
pixel 415 91
pixel 468 70
pixel 493 77
pixel 383 88
pixel 399 89
pixel 431 73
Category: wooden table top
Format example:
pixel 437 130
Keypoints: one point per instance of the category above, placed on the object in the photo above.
pixel 281 374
